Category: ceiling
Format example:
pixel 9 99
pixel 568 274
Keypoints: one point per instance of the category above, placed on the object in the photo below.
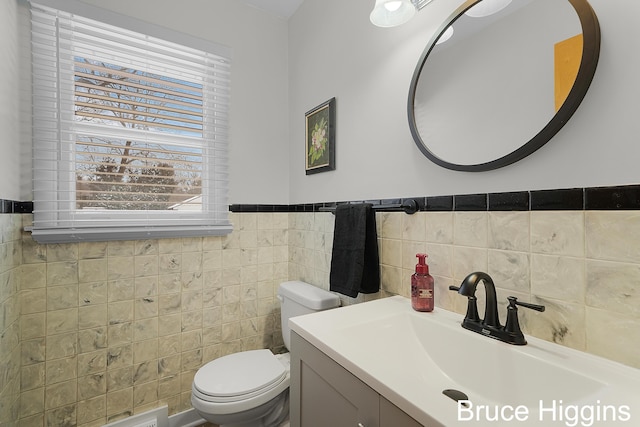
pixel 281 8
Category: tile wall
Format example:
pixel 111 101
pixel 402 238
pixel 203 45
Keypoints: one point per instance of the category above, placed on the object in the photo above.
pixel 111 329
pixel 584 266
pixel 10 260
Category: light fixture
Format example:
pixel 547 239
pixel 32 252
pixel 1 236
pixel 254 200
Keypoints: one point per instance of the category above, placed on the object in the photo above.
pixel 448 33
pixel 391 13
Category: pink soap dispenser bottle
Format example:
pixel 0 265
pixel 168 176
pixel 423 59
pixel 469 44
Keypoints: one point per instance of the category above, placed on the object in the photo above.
pixel 422 286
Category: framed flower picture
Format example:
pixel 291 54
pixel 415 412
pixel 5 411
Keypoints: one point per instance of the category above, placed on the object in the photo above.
pixel 320 138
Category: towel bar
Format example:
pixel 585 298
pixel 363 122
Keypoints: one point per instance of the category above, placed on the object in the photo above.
pixel 409 206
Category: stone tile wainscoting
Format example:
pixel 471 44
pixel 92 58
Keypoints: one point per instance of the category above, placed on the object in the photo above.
pixel 112 329
pixel 10 357
pixel 584 266
pixel 94 332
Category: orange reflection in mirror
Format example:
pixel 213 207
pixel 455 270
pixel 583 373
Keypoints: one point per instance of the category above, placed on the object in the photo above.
pixel 567 56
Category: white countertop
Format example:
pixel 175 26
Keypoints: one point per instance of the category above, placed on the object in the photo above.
pixel 411 357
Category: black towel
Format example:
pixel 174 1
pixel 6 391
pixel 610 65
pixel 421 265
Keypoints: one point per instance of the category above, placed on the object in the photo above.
pixel 355 265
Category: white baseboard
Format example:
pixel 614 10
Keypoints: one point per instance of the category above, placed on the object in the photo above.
pixel 189 418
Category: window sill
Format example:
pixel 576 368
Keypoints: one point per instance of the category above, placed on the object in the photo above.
pixel 46 236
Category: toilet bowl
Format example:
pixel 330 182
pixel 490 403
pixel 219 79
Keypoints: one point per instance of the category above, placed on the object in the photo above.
pixel 251 388
pixel 243 387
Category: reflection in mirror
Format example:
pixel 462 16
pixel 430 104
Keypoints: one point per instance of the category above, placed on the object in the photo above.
pixel 486 8
pixel 504 83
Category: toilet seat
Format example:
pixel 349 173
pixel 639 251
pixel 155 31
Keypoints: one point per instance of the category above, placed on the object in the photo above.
pixel 240 376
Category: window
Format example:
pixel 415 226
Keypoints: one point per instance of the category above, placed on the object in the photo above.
pixel 130 133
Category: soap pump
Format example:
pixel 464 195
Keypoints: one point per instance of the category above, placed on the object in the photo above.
pixel 422 286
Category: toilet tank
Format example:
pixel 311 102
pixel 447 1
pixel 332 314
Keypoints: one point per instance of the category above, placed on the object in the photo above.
pixel 298 298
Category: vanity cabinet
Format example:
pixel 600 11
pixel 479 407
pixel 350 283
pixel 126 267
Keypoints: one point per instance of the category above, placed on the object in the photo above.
pixel 323 393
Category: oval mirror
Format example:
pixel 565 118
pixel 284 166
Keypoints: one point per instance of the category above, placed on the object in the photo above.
pixel 503 82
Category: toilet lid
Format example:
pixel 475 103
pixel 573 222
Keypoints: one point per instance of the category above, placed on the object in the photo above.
pixel 239 374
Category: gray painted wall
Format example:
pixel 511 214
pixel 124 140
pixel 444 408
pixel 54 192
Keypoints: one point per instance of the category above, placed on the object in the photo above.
pixel 330 49
pixel 336 51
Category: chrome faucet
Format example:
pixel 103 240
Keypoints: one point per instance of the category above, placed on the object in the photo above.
pixel 490 325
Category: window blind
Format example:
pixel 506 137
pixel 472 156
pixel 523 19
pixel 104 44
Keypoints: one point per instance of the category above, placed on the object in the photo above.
pixel 130 133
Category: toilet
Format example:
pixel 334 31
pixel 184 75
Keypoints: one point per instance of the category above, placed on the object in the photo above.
pixel 251 388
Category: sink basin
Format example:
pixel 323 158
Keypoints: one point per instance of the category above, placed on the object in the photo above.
pixel 411 358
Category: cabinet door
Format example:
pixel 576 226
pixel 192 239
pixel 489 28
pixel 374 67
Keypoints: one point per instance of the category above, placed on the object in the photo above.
pixel 324 394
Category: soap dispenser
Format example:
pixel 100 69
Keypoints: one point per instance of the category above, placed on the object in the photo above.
pixel 422 286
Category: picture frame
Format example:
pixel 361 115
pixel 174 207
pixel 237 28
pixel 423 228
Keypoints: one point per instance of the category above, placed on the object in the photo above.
pixel 320 136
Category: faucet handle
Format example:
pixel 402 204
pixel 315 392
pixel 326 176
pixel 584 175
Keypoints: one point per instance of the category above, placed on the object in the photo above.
pixel 513 325
pixel 513 301
pixel 472 306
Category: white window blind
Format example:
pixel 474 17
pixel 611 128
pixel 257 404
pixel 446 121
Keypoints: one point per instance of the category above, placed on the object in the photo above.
pixel 130 133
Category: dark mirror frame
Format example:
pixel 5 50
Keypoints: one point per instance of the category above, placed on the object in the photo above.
pixel 586 71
